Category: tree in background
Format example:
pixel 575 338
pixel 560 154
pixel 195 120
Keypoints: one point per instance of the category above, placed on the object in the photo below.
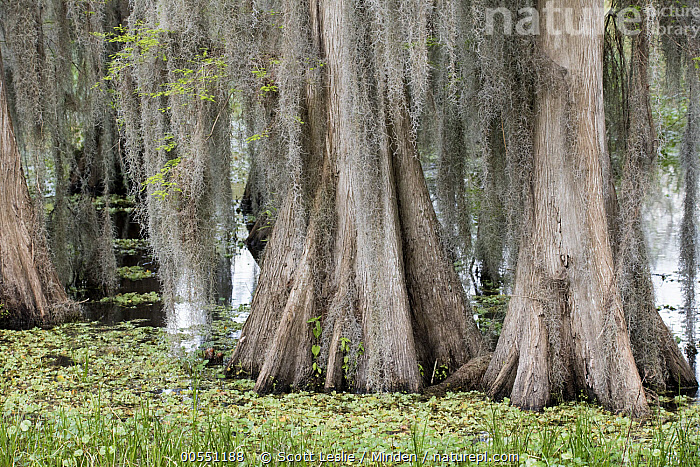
pixel 66 129
pixel 174 87
pixel 30 291
pixel 683 55
pixel 658 358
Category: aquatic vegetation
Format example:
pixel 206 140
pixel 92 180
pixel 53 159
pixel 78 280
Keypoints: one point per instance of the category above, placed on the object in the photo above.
pixel 135 273
pixel 130 246
pixel 116 203
pixel 123 398
pixel 490 311
pixel 132 299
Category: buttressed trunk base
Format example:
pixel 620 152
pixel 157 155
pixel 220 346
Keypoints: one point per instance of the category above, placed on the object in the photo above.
pixel 366 297
pixel 565 331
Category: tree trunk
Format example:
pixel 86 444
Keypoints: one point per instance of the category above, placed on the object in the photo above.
pixel 370 268
pixel 565 330
pixel 688 264
pixel 658 358
pixel 30 292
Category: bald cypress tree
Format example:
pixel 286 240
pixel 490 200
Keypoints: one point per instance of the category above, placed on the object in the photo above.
pixel 30 291
pixel 356 289
pixel 659 360
pixel 581 317
pixel 565 330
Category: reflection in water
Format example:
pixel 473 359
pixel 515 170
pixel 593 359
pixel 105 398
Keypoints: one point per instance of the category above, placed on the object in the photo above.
pixel 147 314
pixel 663 224
pixel 244 274
pixel 191 315
pixel 244 278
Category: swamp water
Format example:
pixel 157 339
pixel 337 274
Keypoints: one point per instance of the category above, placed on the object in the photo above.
pixel 192 320
pixel 663 222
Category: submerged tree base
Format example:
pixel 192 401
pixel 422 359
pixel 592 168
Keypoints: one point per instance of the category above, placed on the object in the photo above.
pixel 357 290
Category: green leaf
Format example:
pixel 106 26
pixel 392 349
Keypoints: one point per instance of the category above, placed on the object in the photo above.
pixel 25 425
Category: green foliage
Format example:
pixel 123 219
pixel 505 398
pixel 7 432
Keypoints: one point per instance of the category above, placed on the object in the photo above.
pixel 257 137
pixel 268 85
pixel 350 357
pixel 168 144
pixel 316 322
pixel 316 64
pixel 117 203
pixel 135 273
pixel 491 311
pixel 130 246
pixel 345 349
pixel 270 215
pixel 163 182
pixel 194 80
pixel 128 401
pixel 137 43
pixel 440 374
pixel 197 81
pixel 132 299
pixel 315 348
pixel 268 88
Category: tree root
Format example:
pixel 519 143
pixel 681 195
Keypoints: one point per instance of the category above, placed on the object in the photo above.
pixel 467 378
